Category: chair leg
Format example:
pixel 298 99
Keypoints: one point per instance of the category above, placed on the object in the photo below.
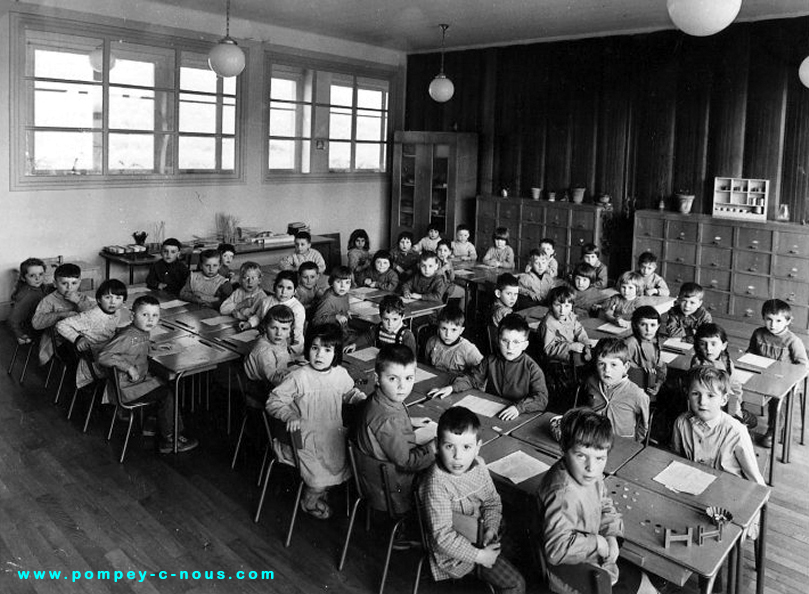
pixel 90 408
pixel 238 442
pixel 59 388
pixel 126 440
pixel 803 408
pixel 112 423
pixel 264 492
pixel 418 575
pixel 264 461
pixel 72 403
pixel 27 360
pixel 294 513
pixel 13 358
pixel 348 534
pixel 50 370
pixel 387 555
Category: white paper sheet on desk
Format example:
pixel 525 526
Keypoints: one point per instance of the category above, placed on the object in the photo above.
pixel 367 354
pixel 684 479
pixel 409 300
pixel 363 290
pixel 667 356
pixel 354 300
pixel 463 272
pixel 534 325
pixel 158 330
pixel 756 360
pixel 218 320
pixel 612 328
pixel 246 336
pixel 426 432
pixel 677 344
pixel 173 303
pixel 517 467
pixel 480 406
pixel 364 308
pixel 423 375
pixel 137 290
pixel 172 347
pixel 742 375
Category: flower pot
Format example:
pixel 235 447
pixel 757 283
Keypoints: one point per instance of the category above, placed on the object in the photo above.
pixel 684 202
pixel 578 195
pixel 536 193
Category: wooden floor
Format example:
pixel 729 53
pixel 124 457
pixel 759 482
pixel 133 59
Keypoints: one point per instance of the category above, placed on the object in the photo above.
pixel 67 505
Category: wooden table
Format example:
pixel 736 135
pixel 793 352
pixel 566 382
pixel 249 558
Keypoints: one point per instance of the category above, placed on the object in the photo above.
pixel 366 307
pixel 131 262
pixel 537 433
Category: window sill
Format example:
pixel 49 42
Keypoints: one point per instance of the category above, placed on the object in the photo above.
pixel 74 182
pixel 320 178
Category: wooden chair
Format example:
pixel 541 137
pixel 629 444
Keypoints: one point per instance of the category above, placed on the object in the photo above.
pixel 373 480
pixel 30 348
pixel 115 395
pixel 252 407
pixel 97 384
pixel 65 356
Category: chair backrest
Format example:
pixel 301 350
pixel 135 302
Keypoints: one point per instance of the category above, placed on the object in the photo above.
pixel 283 441
pixel 372 479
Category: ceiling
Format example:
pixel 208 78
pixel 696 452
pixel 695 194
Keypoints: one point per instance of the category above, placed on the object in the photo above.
pixel 412 25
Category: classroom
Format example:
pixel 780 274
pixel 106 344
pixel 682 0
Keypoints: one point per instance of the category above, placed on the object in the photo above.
pixel 268 265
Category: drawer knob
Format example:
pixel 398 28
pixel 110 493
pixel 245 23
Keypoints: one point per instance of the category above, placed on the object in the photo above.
pixel 581 241
pixel 751 289
pixel 754 244
pixel 679 279
pixel 678 259
pixel 791 297
pixel 714 265
pixel 682 235
pixel 711 306
pixel 752 269
pixel 717 239
pixel 714 283
pixel 748 313
pixel 794 249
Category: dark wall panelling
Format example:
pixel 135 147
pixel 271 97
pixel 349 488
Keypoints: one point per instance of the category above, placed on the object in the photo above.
pixel 640 116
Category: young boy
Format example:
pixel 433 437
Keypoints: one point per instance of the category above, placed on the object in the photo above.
pixel 333 306
pixel 307 291
pixel 127 354
pixel 64 302
pixel 647 368
pixel 710 436
pixel 244 297
pixel 509 374
pixel 506 292
pixel 426 284
pixel 304 252
pixel 578 522
pixel 384 430
pixel 538 280
pixel 560 331
pixel 404 256
pixel 448 350
pixel 590 254
pixel 653 283
pixel 92 329
pixel 775 341
pixel 687 314
pixel 206 286
pixel 227 251
pixel 618 308
pixel 463 249
pixel 610 393
pixel 170 272
pixel 547 246
pixel 389 330
pixel 269 358
pixel 459 485
pixel 430 241
pixel 587 298
pixel 283 294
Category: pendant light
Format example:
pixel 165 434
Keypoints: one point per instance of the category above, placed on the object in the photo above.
pixel 96 58
pixel 701 18
pixel 226 58
pixel 803 72
pixel 441 88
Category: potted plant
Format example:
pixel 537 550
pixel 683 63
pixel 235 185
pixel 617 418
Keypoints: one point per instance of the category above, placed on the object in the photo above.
pixel 578 193
pixel 685 199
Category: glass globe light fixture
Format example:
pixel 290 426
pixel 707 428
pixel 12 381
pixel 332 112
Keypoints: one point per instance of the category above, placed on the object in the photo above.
pixel 701 18
pixel 803 72
pixel 441 88
pixel 226 58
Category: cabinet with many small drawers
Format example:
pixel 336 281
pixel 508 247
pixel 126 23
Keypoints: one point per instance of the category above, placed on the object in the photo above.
pixel 739 265
pixel 570 225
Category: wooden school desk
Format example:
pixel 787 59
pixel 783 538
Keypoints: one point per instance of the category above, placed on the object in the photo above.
pixel 743 498
pixel 365 306
pixel 506 445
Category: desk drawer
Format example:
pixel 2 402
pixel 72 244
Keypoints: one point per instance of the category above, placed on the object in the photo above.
pixel 747 309
pixel 753 262
pixel 752 286
pixel 681 253
pixel 485 230
pixel 682 231
pixel 558 235
pixel 654 563
pixel 787 267
pixel 557 216
pixel 648 227
pixel 750 238
pixel 715 258
pixel 793 292
pixel 718 280
pixel 562 252
pixel 578 237
pixel 533 213
pixel 716 302
pixel 679 273
pixel 487 209
pixel 582 219
pixel 717 235
pixel 793 244
pixel 532 233
pixel 509 211
pixel 649 245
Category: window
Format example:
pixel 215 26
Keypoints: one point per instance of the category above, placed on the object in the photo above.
pixel 114 105
pixel 323 119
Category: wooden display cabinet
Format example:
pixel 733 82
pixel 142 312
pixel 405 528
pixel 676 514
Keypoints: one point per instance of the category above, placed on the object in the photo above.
pixel 740 198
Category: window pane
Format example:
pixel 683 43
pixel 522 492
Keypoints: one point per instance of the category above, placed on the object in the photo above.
pixel 282 154
pixel 195 74
pixel 281 88
pixel 67 105
pixel 197 153
pixel 54 55
pixel 370 99
pixel 229 116
pixel 370 157
pixel 341 95
pixel 140 109
pixel 282 119
pixel 228 154
pixel 52 153
pixel 131 153
pixel 197 113
pixel 370 125
pixel 339 156
pixel 340 124
pixel 229 85
pixel 143 65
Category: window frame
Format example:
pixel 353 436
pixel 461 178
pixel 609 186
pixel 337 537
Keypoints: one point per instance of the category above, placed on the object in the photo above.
pixel 358 69
pixel 20 22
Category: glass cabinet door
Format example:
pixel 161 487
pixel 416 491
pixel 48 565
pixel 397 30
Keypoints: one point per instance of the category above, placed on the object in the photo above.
pixel 408 186
pixel 440 173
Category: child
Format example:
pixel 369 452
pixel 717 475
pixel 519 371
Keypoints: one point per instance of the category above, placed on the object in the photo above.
pixel 547 246
pixel 283 294
pixel 25 298
pixel 647 368
pixel 307 291
pixel 448 350
pixel 618 308
pixel 333 305
pixel 310 400
pixel 269 358
pixel 170 272
pixel 426 284
pixel 653 283
pixel 588 298
pixel 381 275
pixel 538 279
pixel 127 354
pixel 500 255
pixel 775 341
pixel 687 314
pixel 711 350
pixel 706 434
pixel 247 293
pixel 459 485
pixel 578 520
pixel 445 268
pixel 389 330
pixel 506 292
pixel 384 430
pixel 359 255
pixel 509 374
pixel 404 258
pixel 227 251
pixel 590 254
pixel 92 329
pixel 206 286
pixel 463 249
pixel 609 391
pixel 560 331
pixel 304 252
pixel 62 303
pixel 430 241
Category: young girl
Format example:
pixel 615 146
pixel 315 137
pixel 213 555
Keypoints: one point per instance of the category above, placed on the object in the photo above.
pixel 403 257
pixel 359 255
pixel 711 350
pixel 27 294
pixel 648 370
pixel 310 400
pixel 283 294
pixel 500 255
pixel 381 274
pixel 619 308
